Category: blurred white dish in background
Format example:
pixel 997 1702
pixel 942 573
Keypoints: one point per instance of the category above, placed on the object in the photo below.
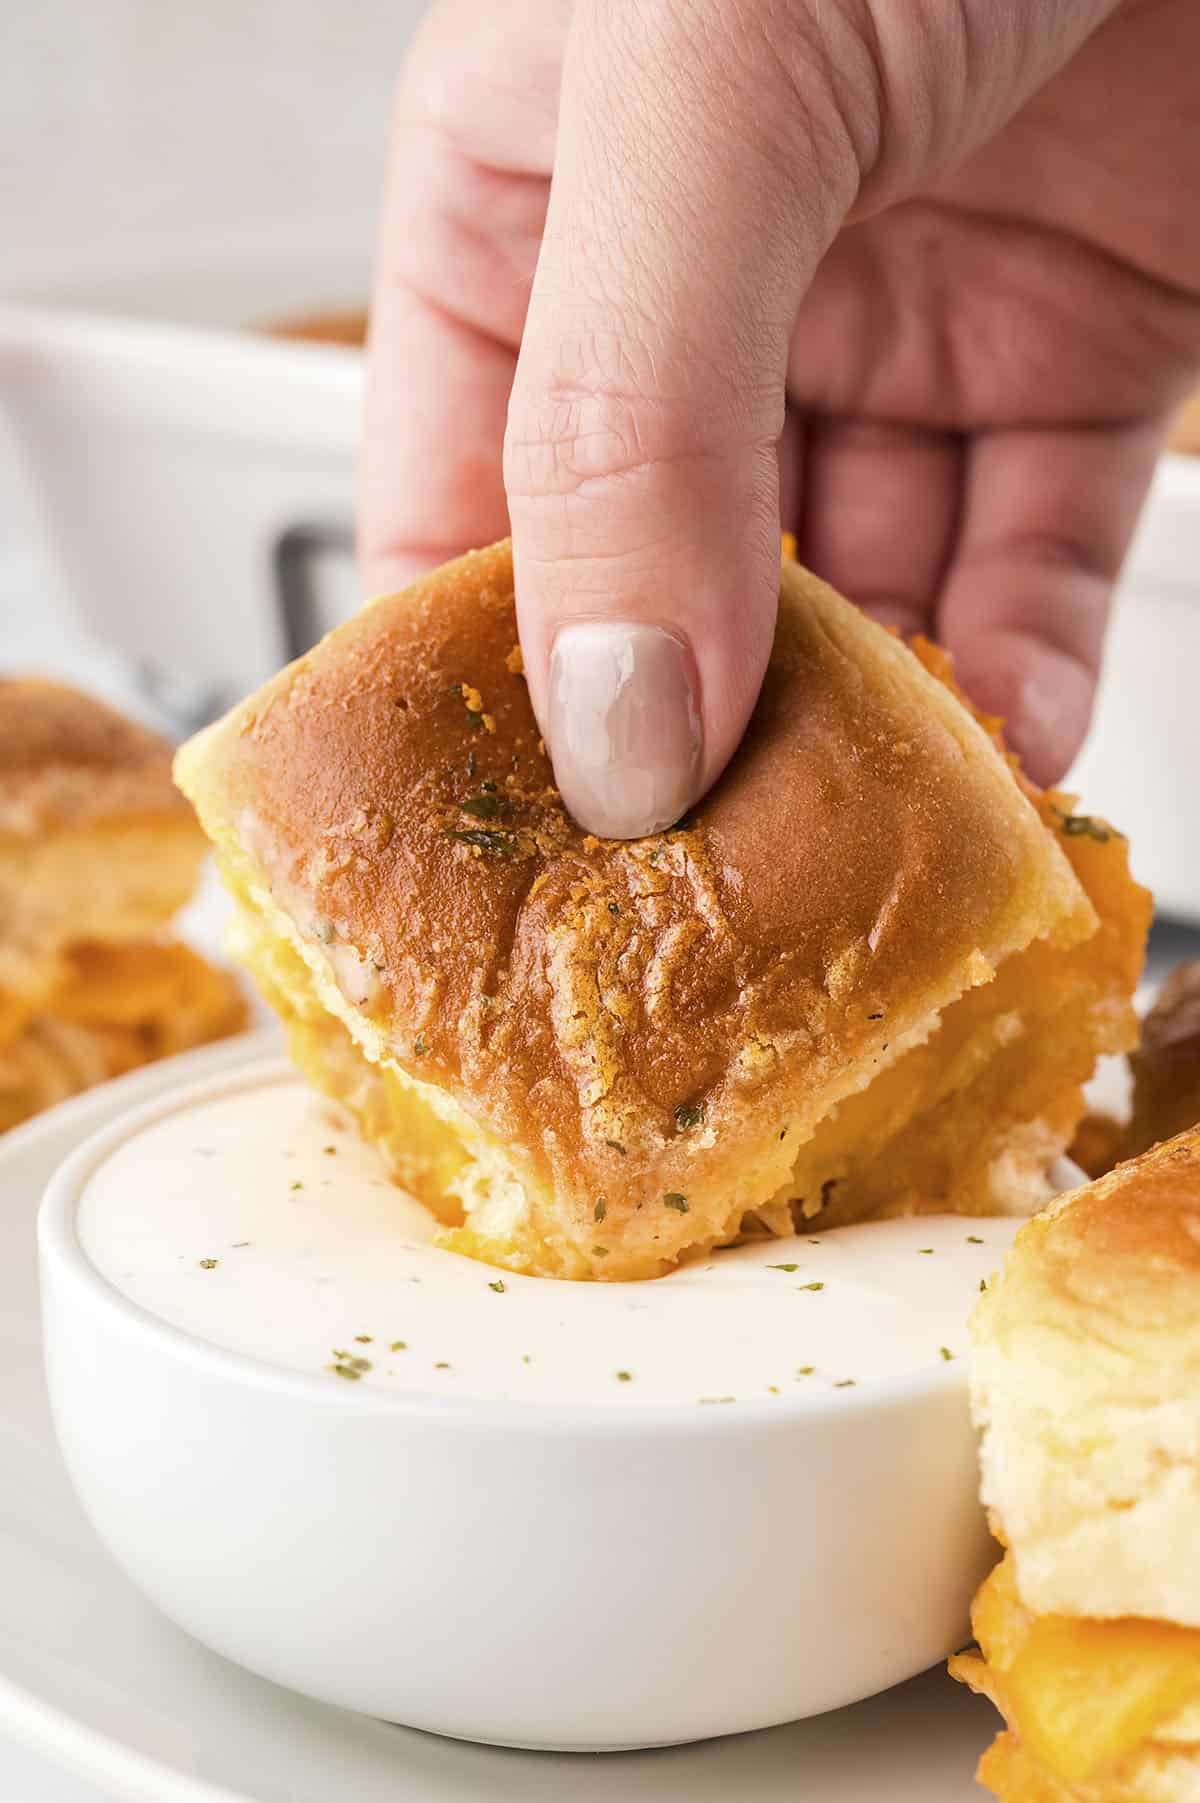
pixel 532 1573
pixel 180 473
pixel 1142 758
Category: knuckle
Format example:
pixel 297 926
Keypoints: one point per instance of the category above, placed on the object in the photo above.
pixel 575 437
pixel 1077 562
pixel 486 80
pixel 610 409
pixel 1047 591
pixel 444 93
pixel 428 95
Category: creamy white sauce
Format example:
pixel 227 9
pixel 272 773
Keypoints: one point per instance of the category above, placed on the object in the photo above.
pixel 320 1260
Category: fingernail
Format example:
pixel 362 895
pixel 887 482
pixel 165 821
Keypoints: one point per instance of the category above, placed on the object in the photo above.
pixel 1050 717
pixel 624 727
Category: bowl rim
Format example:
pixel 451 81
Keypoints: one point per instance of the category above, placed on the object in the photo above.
pixel 61 1256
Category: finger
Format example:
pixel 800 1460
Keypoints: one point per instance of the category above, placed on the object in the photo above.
pixel 952 75
pixel 641 455
pixel 432 482
pixel 791 471
pixel 880 512
pixel 465 201
pixel 1046 521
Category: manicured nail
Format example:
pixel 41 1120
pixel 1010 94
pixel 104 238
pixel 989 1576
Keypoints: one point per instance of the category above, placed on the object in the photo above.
pixel 1048 722
pixel 624 728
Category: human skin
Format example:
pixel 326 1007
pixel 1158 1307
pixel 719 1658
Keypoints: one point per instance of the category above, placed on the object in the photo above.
pixel 917 279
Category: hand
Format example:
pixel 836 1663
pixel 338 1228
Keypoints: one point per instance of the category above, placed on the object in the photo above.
pixel 919 279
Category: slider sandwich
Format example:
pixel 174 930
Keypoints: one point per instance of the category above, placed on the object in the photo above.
pixel 867 973
pixel 1085 1374
pixel 97 851
pixel 1166 1064
pixel 1165 1072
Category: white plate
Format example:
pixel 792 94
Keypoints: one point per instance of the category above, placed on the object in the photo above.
pixel 92 1676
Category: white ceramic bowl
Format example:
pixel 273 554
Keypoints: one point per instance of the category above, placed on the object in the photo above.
pixel 572 1577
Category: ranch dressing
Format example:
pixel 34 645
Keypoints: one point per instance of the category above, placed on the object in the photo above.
pixel 259 1222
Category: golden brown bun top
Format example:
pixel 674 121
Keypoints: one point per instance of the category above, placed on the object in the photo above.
pixel 865 845
pixel 1125 1251
pixel 68 760
pixel 1086 1379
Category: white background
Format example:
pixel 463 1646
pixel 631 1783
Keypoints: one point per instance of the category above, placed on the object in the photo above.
pixel 138 133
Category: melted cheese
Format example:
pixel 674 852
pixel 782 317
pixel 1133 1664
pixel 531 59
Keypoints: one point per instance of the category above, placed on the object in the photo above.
pixel 1084 1698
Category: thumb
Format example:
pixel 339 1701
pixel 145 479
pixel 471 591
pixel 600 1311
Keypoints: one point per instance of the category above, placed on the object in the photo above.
pixel 641 451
